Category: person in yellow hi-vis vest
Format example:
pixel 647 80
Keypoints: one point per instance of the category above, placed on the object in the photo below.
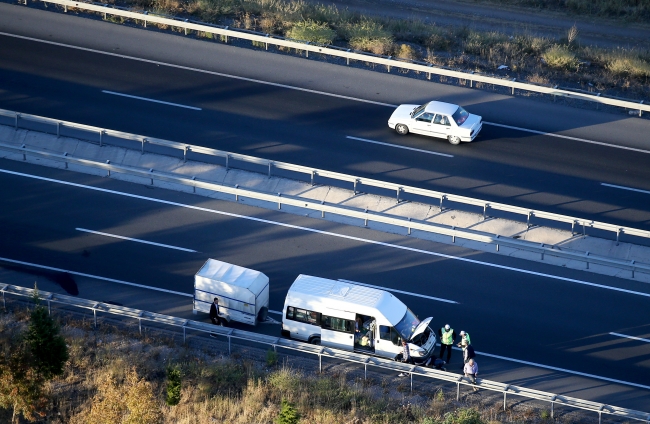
pixel 447 336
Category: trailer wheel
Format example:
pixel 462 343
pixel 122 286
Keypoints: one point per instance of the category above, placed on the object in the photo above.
pixel 315 340
pixel 261 316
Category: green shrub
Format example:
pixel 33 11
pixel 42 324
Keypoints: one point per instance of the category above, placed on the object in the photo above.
pixel 312 31
pixel 628 66
pixel 173 386
pixel 271 358
pixel 463 416
pixel 288 414
pixel 560 57
pixel 406 52
pixel 368 35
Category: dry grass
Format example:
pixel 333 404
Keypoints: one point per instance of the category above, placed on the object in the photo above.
pixel 115 377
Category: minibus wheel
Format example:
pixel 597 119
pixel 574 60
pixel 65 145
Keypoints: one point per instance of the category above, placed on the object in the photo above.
pixel 315 340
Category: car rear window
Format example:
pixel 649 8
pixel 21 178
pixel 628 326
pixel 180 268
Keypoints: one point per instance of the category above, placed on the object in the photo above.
pixel 460 116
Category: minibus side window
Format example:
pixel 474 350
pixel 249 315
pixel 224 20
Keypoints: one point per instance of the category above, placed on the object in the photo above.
pixel 337 324
pixel 301 315
pixel 389 333
pixel 290 312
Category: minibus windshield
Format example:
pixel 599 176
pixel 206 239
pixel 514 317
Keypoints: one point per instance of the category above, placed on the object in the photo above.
pixel 407 325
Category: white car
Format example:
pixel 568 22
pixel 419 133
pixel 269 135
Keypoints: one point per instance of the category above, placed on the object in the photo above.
pixel 436 119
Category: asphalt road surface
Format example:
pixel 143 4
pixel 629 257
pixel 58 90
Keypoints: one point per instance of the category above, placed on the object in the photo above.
pixel 278 121
pixel 509 311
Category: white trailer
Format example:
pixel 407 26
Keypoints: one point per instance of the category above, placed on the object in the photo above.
pixel 354 317
pixel 243 293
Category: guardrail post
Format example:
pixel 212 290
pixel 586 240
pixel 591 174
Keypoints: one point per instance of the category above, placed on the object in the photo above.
pixel 409 232
pixel 411 382
pixel 398 190
pixel 587 255
pixel 528 219
pixel 572 227
pixel 322 212
pixel 143 141
pixel 504 396
pixel 542 246
pixel 270 165
pixel 313 174
pixel 600 414
pixel 16 124
pixel 183 334
pixel 365 221
pixel 227 157
pixel 441 199
pixel 497 243
pixel 65 8
pixel 453 236
pixel 553 406
pixel 279 203
pixel 458 391
pixel 24 155
pixel 618 233
pixel 145 21
pixel 236 194
pixel 58 129
pixel 49 307
pixel 194 187
pixel 633 268
pixel 185 26
pixel 320 362
pixel 101 137
pixel 185 153
pixel 95 316
pixel 140 325
pixel 355 186
pixel 4 302
pixel 109 171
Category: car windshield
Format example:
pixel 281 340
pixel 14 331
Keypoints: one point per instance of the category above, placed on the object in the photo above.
pixel 460 116
pixel 418 109
pixel 407 325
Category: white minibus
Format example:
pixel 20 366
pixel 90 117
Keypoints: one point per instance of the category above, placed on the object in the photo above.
pixel 355 318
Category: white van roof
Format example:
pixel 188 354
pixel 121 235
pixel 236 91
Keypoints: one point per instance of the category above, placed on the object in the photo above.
pixel 349 297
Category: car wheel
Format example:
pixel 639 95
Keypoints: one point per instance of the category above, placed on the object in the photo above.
pixel 315 340
pixel 454 139
pixel 401 129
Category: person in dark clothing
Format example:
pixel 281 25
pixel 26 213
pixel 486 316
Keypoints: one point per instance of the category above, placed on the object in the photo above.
pixel 468 353
pixel 214 312
pixel 447 336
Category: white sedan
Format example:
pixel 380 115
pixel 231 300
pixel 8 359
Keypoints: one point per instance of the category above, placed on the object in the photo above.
pixel 436 119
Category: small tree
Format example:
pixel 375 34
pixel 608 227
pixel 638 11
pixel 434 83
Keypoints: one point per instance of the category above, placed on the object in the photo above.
pixel 47 346
pixel 288 414
pixel 21 385
pixel 173 385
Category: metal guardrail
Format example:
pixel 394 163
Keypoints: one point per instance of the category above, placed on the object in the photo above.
pixel 320 351
pixel 399 189
pixel 348 54
pixel 365 215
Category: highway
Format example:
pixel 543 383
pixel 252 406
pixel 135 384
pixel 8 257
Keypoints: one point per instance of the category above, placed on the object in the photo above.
pixel 318 114
pixel 322 129
pixel 535 318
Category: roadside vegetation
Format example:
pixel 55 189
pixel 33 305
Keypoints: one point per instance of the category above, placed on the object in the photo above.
pixel 564 62
pixel 627 10
pixel 114 375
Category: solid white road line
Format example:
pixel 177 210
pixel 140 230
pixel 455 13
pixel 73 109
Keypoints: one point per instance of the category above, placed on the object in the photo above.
pixel 582 140
pixel 136 240
pixel 548 367
pixel 306 90
pixel 625 188
pixel 400 291
pixel 187 68
pixel 81 274
pixel 150 100
pixel 630 337
pixel 365 140
pixel 296 227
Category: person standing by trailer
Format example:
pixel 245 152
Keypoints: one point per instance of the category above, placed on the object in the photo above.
pixel 447 336
pixel 214 312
